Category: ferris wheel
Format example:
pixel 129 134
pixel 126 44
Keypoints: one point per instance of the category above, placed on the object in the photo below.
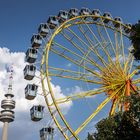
pixel 89 51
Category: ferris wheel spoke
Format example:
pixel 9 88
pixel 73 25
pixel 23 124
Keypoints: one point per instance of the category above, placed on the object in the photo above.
pixel 73 75
pixel 131 64
pixel 122 44
pixel 86 54
pixel 84 94
pixel 117 50
pixel 76 63
pixel 128 64
pixel 99 108
pixel 85 44
pixel 110 59
pixel 94 51
pixel 110 46
pixel 100 32
pixel 109 56
pixel 91 46
pixel 103 40
pixel 108 36
pixel 107 66
pixel 102 47
pixel 80 39
pixel 75 96
pixel 133 73
pixel 77 56
pixel 136 81
pixel 70 39
pixel 78 47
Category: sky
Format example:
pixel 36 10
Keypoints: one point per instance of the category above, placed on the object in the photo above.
pixel 18 21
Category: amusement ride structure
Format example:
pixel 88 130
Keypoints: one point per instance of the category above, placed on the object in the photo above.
pixel 86 49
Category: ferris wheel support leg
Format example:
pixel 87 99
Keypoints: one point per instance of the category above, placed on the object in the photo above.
pixel 120 106
pixel 133 87
pixel 112 110
pixel 127 93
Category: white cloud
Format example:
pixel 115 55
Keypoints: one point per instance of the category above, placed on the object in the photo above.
pixel 77 89
pixel 23 106
pixel 69 64
pixel 120 58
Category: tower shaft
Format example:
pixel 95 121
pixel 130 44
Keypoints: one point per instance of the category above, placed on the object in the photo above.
pixel 5 131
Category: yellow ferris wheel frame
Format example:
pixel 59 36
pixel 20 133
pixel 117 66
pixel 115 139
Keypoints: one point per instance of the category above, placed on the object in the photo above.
pixel 45 73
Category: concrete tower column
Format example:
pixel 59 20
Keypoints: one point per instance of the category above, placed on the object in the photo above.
pixel 5 131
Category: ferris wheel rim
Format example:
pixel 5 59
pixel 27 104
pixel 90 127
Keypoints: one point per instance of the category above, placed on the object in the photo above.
pixel 48 45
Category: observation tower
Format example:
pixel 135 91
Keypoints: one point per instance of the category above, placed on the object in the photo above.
pixel 7 114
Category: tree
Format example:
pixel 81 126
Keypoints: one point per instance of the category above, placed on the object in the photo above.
pixel 135 40
pixel 122 126
pixel 90 137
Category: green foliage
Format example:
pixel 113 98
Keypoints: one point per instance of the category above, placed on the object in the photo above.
pixel 122 126
pixel 135 34
pixel 135 40
pixel 135 105
pixel 90 137
pixel 106 128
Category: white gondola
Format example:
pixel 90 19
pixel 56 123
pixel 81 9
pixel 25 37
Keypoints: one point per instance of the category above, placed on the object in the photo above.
pixel 37 113
pixel 107 16
pixel 62 16
pixel 117 22
pixel 127 29
pixel 31 91
pixel 52 22
pixel 46 133
pixel 85 11
pixel 73 12
pixel 96 13
pixel 29 72
pixel 36 41
pixel 31 55
pixel 43 29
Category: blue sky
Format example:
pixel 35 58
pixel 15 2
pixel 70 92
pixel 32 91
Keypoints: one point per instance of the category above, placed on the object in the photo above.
pixel 20 19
